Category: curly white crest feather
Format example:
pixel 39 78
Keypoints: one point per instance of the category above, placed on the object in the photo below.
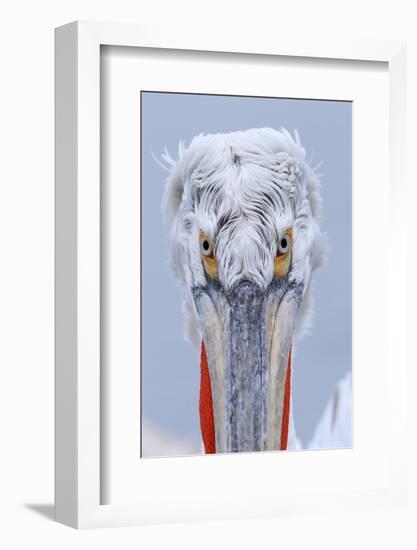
pixel 243 189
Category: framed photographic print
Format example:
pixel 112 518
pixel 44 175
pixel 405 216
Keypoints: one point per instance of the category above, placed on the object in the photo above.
pixel 222 345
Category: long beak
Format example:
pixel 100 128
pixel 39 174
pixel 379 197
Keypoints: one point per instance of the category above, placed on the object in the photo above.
pixel 247 338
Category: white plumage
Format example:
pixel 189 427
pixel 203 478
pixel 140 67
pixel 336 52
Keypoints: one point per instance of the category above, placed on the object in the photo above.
pixel 258 180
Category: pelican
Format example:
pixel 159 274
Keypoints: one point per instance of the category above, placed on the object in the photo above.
pixel 243 211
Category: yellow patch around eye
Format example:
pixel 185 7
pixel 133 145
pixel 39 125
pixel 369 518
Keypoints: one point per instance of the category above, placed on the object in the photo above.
pixel 283 261
pixel 209 260
pixel 282 264
pixel 211 266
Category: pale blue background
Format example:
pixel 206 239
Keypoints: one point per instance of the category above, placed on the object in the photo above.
pixel 170 366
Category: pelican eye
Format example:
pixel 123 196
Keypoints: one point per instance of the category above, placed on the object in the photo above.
pixel 284 245
pixel 283 257
pixel 207 254
pixel 206 247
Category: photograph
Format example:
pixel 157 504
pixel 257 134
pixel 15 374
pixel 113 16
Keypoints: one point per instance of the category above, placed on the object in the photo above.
pixel 246 274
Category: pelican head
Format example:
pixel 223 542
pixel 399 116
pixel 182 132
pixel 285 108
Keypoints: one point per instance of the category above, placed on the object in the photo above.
pixel 243 210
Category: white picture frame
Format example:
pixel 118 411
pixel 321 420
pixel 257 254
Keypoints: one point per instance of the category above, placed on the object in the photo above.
pixel 78 406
